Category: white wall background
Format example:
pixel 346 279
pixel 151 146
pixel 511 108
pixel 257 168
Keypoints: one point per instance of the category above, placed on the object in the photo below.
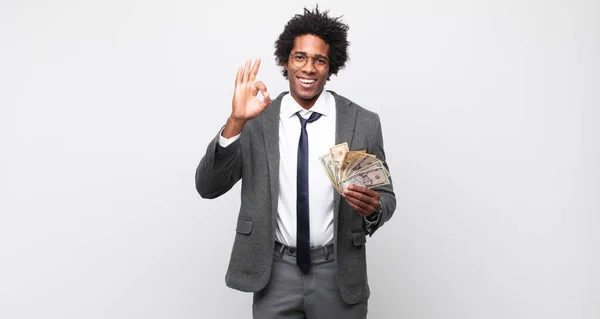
pixel 489 110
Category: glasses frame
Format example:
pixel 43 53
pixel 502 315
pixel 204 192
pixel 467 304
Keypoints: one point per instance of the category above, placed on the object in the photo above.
pixel 314 58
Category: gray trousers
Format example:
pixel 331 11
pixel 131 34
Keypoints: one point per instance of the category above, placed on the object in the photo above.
pixel 292 294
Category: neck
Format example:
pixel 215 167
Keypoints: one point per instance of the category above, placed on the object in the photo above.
pixel 306 103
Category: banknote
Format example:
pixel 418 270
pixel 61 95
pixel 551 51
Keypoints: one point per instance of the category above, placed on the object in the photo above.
pixel 344 167
pixel 361 162
pixel 350 158
pixel 338 152
pixel 329 169
pixel 371 177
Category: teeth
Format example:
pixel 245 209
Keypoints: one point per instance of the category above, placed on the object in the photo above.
pixel 307 81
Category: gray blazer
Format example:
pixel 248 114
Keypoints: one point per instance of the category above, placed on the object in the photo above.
pixel 254 158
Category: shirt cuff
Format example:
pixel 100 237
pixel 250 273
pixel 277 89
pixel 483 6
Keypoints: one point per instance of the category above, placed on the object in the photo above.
pixel 370 222
pixel 372 219
pixel 224 142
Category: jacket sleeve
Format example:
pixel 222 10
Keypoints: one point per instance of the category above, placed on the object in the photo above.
pixel 388 198
pixel 219 169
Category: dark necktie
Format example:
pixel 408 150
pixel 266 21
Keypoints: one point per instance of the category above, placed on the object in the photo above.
pixel 302 208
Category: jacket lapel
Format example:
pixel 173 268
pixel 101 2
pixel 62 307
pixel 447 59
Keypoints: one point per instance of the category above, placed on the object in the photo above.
pixel 345 119
pixel 344 130
pixel 270 122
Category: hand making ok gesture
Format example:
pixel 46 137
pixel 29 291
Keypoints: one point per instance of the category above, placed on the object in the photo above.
pixel 245 104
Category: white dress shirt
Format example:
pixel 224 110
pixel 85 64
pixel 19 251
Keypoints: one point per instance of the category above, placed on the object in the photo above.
pixel 321 137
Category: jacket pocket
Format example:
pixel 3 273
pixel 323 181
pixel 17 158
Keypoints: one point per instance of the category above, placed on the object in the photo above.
pixel 244 225
pixel 359 239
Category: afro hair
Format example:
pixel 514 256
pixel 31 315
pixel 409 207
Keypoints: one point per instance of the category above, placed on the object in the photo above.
pixel 331 30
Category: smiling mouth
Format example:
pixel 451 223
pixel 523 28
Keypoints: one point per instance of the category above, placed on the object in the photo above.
pixel 307 81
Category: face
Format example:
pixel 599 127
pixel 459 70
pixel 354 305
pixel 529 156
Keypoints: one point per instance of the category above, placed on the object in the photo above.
pixel 307 82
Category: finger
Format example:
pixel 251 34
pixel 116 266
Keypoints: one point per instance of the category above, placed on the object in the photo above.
pixel 371 199
pixel 239 75
pixel 263 90
pixel 363 190
pixel 246 71
pixel 358 199
pixel 359 188
pixel 366 207
pixel 262 87
pixel 254 70
pixel 266 102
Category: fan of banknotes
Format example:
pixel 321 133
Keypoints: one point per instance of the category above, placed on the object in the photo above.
pixel 345 167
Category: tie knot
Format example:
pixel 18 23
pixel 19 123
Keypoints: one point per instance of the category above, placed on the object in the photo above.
pixel 313 117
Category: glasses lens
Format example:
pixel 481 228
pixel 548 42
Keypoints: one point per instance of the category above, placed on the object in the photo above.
pixel 300 60
pixel 320 63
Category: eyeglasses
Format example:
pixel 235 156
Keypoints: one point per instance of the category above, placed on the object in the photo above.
pixel 299 60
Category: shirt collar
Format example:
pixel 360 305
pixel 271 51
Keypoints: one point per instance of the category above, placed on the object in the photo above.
pixel 290 107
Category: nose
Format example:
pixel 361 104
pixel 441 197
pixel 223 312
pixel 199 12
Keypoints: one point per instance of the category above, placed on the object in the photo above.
pixel 309 67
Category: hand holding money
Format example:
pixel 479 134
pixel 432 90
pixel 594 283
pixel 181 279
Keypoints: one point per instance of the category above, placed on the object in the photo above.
pixel 344 168
pixel 363 200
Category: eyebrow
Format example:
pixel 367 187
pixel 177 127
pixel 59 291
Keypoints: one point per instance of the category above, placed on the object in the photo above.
pixel 316 55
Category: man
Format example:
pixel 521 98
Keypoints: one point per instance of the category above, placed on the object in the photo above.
pixel 298 247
